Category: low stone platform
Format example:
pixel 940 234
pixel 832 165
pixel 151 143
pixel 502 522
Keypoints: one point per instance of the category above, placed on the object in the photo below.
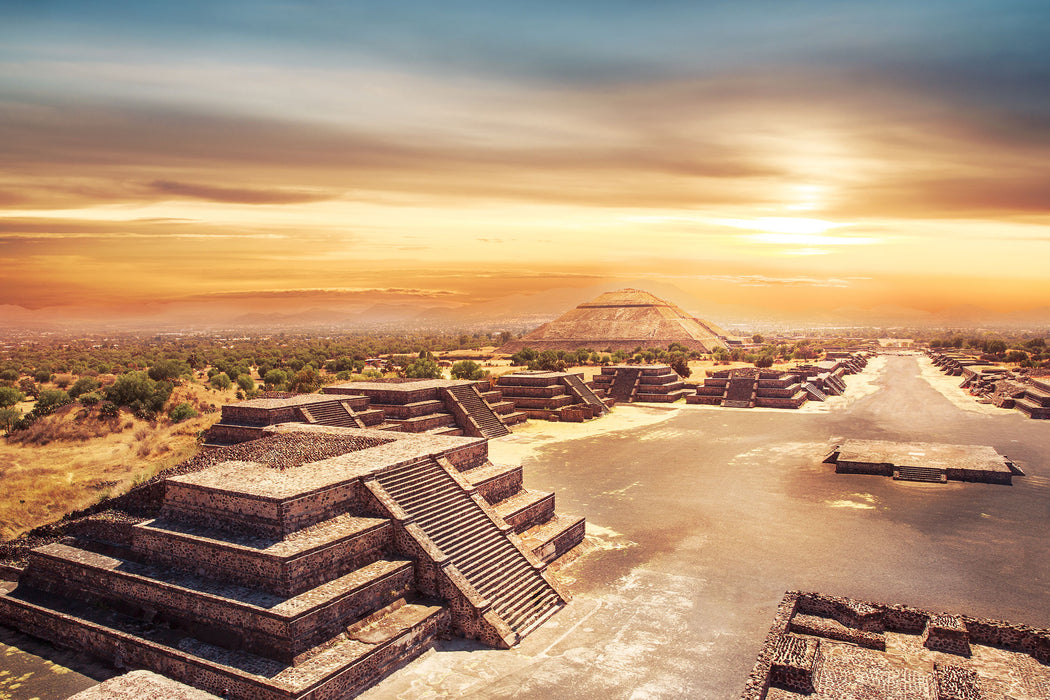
pixel 815 650
pixel 922 461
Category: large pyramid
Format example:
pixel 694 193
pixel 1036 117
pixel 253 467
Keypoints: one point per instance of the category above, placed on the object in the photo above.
pixel 622 320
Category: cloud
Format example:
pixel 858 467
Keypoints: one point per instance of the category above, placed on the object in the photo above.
pixel 236 195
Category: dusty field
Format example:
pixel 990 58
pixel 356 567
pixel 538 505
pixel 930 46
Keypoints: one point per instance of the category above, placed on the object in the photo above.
pixel 43 482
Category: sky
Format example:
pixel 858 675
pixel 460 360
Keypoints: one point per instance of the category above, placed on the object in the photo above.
pixel 778 158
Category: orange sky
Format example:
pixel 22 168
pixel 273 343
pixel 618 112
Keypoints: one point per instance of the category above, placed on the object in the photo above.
pixel 840 157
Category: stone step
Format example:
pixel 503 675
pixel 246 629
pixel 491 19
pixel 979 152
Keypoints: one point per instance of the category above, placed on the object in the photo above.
pixel 286 566
pixel 345 668
pixel 1031 409
pixel 526 509
pixel 913 473
pixel 495 482
pixel 551 539
pixel 235 617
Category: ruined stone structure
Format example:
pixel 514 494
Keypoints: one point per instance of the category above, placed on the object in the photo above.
pixel 748 387
pixel 560 396
pixel 623 320
pixel 826 647
pixel 308 564
pixel 997 385
pixel 652 383
pixel 436 406
pixel 923 461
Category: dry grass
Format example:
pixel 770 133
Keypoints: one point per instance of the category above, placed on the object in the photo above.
pixel 68 464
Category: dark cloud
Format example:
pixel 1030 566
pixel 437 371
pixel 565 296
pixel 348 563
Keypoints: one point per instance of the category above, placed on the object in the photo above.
pixel 236 195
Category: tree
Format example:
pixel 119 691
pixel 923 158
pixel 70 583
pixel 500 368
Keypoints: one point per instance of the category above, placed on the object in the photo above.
pixel 764 361
pixel 42 375
pixel 467 369
pixel 423 369
pixel 168 370
pixel 9 375
pixel 274 379
pixel 995 347
pixel 83 385
pixel 306 381
pixel 757 338
pixel 245 382
pixel 680 364
pixel 220 381
pixel 9 396
pixel 29 387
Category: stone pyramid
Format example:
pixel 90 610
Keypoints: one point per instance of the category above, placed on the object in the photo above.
pixel 622 320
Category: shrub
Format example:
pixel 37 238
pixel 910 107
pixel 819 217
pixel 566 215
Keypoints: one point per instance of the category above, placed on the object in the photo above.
pixel 467 369
pixel 764 361
pixel 42 375
pixel 168 370
pixel 63 380
pixel 29 387
pixel 49 400
pixel 83 386
pixel 306 380
pixel 9 375
pixel 182 412
pixel 108 409
pixel 91 398
pixel 9 396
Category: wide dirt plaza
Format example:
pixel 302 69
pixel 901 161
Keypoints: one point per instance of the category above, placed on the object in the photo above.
pixel 700 518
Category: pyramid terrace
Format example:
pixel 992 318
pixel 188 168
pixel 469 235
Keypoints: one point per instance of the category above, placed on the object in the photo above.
pixel 306 563
pixel 922 461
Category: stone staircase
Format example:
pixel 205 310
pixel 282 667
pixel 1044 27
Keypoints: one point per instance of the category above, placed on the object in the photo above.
pixel 474 406
pixel 1035 403
pixel 584 392
pixel 479 549
pixel 926 474
pixel 332 413
pixel 625 383
pixel 740 392
pixel 815 394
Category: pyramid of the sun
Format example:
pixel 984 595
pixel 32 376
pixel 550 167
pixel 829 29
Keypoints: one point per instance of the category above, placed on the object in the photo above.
pixel 622 320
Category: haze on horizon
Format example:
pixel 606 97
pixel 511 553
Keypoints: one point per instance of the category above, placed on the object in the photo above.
pixel 787 158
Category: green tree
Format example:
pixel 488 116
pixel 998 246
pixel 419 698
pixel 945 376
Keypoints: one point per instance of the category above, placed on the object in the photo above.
pixel 83 386
pixel 182 412
pixel 274 379
pixel 245 382
pixel 49 400
pixel 220 381
pixel 9 375
pixel 29 387
pixel 9 396
pixel 306 381
pixel 8 418
pixel 467 369
pixel 680 364
pixel 169 370
pixel 42 375
pixel 423 369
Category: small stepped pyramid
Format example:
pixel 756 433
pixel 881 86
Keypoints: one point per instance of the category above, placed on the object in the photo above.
pixel 482 553
pixel 487 420
pixel 1036 400
pixel 912 473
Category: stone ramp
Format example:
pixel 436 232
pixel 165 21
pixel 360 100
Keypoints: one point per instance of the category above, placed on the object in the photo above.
pixel 483 554
pixel 488 422
pixel 584 392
